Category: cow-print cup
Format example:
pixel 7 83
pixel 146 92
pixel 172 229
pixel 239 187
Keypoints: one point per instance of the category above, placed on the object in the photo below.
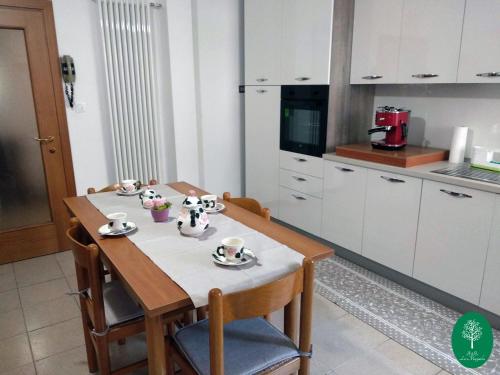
pixel 117 221
pixel 209 201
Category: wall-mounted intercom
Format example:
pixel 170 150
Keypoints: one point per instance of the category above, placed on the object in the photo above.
pixel 68 74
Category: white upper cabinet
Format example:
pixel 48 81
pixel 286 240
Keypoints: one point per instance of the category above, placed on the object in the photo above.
pixel 430 41
pixel 490 293
pixel 306 43
pixel 262 145
pixel 480 52
pixel 452 241
pixel 262 41
pixel 375 45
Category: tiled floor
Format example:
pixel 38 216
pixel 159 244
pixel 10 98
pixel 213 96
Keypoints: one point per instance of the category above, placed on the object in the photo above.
pixel 41 333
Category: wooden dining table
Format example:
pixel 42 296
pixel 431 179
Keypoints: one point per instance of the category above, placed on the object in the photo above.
pixel 154 290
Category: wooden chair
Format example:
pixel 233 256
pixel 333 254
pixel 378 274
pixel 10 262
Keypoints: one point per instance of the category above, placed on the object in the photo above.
pixel 236 333
pixel 249 204
pixel 108 312
pixel 113 187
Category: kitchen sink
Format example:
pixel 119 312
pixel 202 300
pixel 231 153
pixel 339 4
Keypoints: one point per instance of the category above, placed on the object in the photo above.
pixel 466 171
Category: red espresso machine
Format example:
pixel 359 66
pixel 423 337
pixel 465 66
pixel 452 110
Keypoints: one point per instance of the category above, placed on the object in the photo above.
pixel 394 123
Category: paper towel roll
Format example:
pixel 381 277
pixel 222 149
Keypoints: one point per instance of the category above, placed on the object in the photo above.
pixel 458 142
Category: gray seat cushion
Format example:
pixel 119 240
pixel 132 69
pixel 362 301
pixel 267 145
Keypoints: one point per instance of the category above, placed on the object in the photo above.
pixel 250 346
pixel 119 307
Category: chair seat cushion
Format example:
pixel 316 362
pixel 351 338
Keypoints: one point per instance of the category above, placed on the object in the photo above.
pixel 119 307
pixel 250 346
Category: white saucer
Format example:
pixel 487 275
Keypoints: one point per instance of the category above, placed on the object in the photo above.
pixel 105 231
pixel 248 257
pixel 120 192
pixel 218 208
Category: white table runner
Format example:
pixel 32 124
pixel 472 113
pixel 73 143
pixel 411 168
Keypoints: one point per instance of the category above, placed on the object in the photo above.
pixel 188 260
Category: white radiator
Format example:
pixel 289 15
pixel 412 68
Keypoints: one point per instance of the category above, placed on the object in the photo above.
pixel 131 85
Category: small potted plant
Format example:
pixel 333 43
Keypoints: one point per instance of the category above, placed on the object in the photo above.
pixel 160 209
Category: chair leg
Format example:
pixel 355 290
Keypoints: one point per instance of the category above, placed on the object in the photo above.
pixel 187 318
pixel 201 313
pixel 89 346
pixel 304 366
pixel 170 359
pixel 103 355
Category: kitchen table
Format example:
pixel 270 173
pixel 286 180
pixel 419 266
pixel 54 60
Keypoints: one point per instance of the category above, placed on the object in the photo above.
pixel 156 292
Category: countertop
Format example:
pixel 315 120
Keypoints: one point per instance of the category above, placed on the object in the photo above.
pixel 420 171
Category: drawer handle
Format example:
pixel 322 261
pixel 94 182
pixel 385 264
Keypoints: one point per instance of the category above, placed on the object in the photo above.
pixel 455 194
pixel 425 75
pixel 261 79
pixel 342 169
pixel 261 91
pixel 300 159
pixel 301 179
pixel 489 74
pixel 302 78
pixel 392 179
pixel 372 77
pixel 298 197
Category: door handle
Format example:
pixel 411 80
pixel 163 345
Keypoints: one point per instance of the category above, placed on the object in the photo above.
pixel 391 179
pixel 49 139
pixel 343 169
pixel 425 75
pixel 375 76
pixel 455 194
pixel 261 79
pixel 298 197
pixel 302 78
pixel 302 160
pixel 261 91
pixel 489 74
pixel 300 179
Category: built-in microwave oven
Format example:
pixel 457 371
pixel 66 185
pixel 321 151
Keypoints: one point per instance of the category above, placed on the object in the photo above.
pixel 303 121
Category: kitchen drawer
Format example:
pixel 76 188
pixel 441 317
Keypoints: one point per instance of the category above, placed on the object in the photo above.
pixel 301 182
pixel 300 210
pixel 310 165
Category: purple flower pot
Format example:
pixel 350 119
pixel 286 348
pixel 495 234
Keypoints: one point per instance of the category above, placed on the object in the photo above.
pixel 160 215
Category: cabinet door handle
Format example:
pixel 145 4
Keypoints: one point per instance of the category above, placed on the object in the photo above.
pixel 455 194
pixel 425 75
pixel 302 78
pixel 302 160
pixel 298 197
pixel 342 169
pixel 261 91
pixel 49 139
pixel 489 74
pixel 261 79
pixel 300 179
pixel 392 179
pixel 375 76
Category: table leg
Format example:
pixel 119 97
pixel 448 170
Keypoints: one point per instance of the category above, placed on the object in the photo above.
pixel 157 359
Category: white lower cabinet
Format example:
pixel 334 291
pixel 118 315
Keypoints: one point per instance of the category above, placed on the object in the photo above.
pixel 262 132
pixel 343 204
pixel 452 240
pixel 391 219
pixel 300 210
pixel 490 293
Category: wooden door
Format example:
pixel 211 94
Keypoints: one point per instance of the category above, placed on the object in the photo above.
pixel 344 205
pixel 430 41
pixel 391 218
pixel 35 161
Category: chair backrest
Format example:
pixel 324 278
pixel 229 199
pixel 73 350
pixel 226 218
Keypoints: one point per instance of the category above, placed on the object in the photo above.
pixel 260 301
pixel 89 272
pixel 113 187
pixel 249 204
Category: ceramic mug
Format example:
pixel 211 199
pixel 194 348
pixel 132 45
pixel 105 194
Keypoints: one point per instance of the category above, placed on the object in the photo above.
pixel 130 186
pixel 231 248
pixel 209 201
pixel 117 221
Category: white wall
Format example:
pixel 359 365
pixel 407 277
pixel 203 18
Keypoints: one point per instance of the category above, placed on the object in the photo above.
pixel 78 35
pixel 199 63
pixel 218 41
pixel 437 108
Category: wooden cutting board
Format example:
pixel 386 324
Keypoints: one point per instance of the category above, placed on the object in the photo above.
pixel 409 156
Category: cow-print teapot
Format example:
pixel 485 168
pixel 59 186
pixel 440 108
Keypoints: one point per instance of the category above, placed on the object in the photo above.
pixel 147 197
pixel 193 220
